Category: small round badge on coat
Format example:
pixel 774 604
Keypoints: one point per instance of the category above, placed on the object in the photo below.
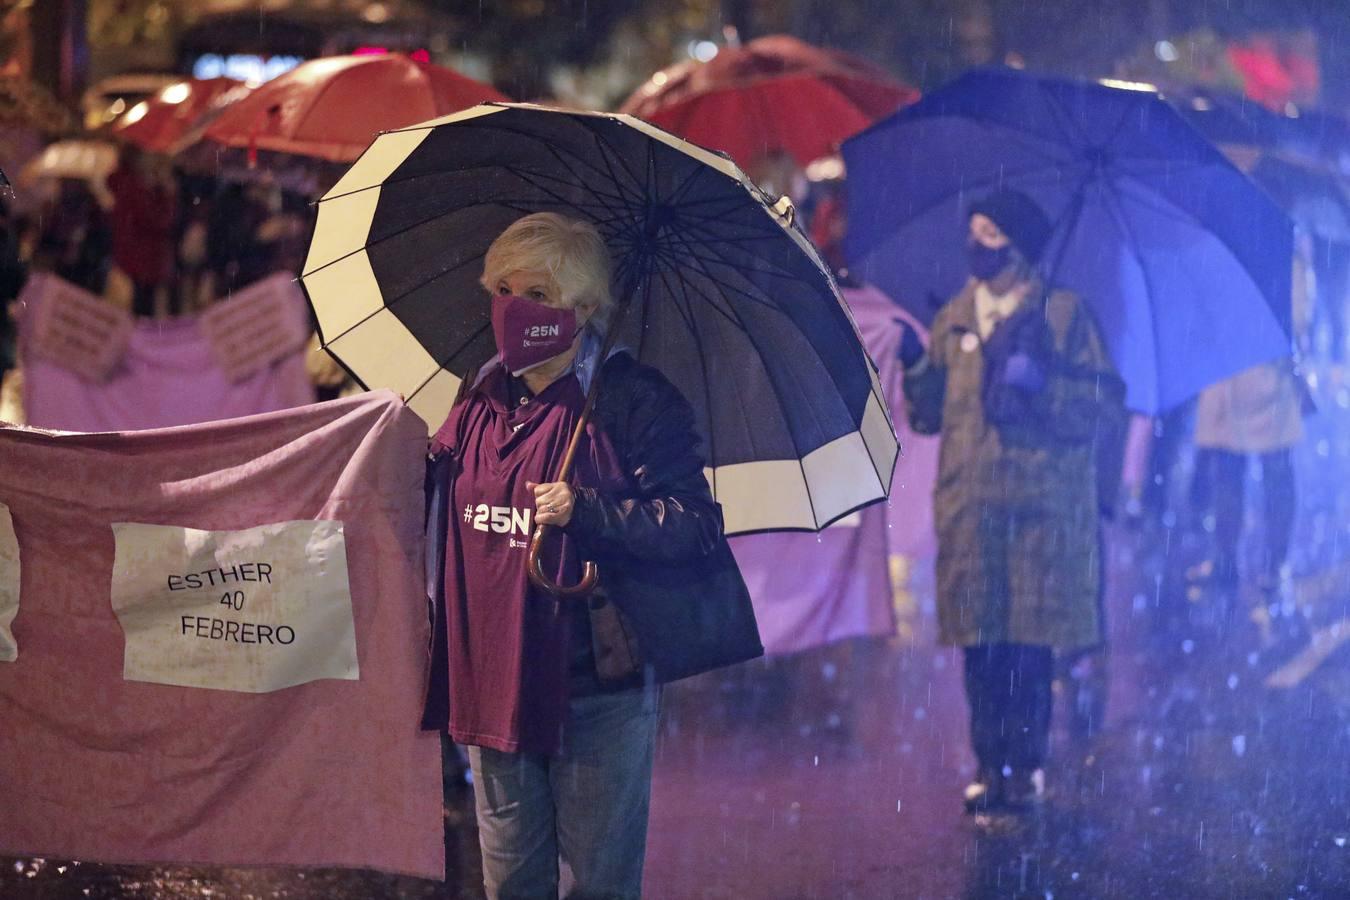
pixel 970 342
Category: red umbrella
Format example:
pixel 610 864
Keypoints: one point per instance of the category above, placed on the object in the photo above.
pixel 161 122
pixel 332 108
pixel 774 93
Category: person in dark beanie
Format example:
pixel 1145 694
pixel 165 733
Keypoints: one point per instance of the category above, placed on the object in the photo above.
pixel 1019 384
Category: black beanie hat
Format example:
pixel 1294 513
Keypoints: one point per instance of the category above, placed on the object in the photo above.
pixel 1020 218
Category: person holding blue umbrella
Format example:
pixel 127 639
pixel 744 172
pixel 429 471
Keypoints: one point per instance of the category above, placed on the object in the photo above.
pixel 1181 260
pixel 1018 381
pixel 1184 262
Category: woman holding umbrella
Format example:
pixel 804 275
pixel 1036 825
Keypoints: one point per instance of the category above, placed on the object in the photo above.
pixel 550 692
pixel 747 404
pixel 1019 383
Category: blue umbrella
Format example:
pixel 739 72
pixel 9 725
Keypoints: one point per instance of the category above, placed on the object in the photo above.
pixel 1185 263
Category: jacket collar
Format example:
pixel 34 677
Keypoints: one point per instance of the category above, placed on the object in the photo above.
pixel 962 311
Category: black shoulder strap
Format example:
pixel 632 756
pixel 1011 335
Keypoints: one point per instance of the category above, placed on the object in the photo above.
pixel 466 384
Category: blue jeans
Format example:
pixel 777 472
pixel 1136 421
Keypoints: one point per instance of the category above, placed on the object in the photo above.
pixel 580 817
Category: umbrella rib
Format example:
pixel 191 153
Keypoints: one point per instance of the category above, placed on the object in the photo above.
pixel 1136 164
pixel 649 171
pixel 621 199
pixel 402 231
pixel 444 365
pixel 1125 115
pixel 707 379
pixel 766 226
pixel 782 405
pixel 673 264
pixel 685 309
pixel 1156 201
pixel 729 310
pixel 553 195
pixel 718 259
pixel 1116 207
pixel 614 152
pixel 464 169
pixel 407 178
pixel 1064 121
pixel 1031 142
pixel 558 198
pixel 578 159
pixel 464 345
pixel 763 230
pixel 623 271
pixel 727 287
pixel 710 298
pixel 976 184
pixel 605 200
pixel 692 254
pixel 709 243
pixel 677 198
pixel 730 202
pixel 390 304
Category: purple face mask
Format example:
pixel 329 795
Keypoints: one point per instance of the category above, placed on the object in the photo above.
pixel 529 333
pixel 986 263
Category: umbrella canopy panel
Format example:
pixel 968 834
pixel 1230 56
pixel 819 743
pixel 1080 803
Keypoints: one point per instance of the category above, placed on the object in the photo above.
pixel 1184 261
pixel 774 94
pixel 727 299
pixel 159 123
pixel 769 57
pixel 332 108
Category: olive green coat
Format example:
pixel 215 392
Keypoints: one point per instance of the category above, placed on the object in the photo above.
pixel 1016 508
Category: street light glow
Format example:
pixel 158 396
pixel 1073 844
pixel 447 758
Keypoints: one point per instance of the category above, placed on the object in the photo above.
pixel 136 113
pixel 176 93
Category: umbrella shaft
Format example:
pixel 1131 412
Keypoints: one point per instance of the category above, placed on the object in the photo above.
pixel 611 337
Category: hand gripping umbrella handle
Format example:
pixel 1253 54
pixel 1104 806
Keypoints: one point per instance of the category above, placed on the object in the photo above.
pixel 540 579
pixel 533 566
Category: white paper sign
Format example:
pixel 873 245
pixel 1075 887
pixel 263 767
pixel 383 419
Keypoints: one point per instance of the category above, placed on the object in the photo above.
pixel 255 610
pixel 9 585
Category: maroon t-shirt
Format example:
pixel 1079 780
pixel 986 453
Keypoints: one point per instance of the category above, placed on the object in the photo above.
pixel 508 641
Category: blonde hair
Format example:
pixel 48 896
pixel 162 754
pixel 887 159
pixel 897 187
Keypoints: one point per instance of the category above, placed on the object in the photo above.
pixel 571 251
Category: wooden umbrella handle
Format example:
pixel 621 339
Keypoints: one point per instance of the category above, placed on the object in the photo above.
pixel 539 578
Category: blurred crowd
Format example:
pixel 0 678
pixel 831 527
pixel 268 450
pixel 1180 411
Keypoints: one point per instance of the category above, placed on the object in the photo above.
pixel 155 241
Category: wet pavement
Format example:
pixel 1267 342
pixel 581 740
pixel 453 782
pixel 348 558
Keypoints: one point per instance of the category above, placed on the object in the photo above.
pixel 1220 769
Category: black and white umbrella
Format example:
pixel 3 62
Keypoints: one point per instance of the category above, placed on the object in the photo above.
pixel 723 293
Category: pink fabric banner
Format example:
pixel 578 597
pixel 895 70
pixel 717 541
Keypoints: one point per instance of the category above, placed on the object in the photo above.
pixel 811 589
pixel 276 563
pixel 168 374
